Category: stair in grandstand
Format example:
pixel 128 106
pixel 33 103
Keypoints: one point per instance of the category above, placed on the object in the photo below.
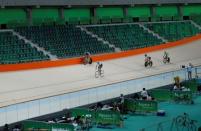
pixel 196 25
pixel 125 36
pixel 196 19
pixel 153 33
pixel 64 41
pixel 52 57
pixel 14 50
pixel 99 39
pixel 173 31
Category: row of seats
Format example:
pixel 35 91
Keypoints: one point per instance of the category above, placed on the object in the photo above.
pixel 64 41
pixel 13 50
pixel 173 31
pixel 130 36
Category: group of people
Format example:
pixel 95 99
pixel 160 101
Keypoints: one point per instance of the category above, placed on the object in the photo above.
pixel 7 128
pixel 180 87
pixel 144 95
pixel 116 106
pixel 149 62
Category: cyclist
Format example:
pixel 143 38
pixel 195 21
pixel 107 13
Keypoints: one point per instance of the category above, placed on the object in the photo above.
pixel 87 59
pixel 99 66
pixel 148 61
pixel 146 57
pixel 166 57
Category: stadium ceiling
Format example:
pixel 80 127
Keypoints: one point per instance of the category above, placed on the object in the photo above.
pixel 91 2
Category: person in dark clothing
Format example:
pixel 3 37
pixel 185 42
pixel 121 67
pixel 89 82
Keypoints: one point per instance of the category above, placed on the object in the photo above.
pixel 136 96
pixel 6 128
pixel 189 70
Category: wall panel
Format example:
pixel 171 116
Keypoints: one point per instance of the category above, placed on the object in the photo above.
pixel 11 114
pixel 139 12
pixel 166 11
pixel 44 106
pixel 45 15
pixel 64 101
pixel 77 14
pixel 33 109
pixel 191 9
pixel 22 111
pixel 109 12
pixel 3 116
pixel 55 104
pixel 12 16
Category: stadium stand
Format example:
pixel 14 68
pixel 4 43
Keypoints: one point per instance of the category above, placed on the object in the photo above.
pixel 173 31
pixel 128 36
pixel 13 50
pixel 64 41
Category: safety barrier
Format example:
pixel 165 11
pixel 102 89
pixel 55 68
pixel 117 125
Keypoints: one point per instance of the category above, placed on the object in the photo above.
pixel 192 85
pixel 161 94
pixel 43 126
pixel 182 96
pixel 141 106
pixel 75 112
pixel 107 117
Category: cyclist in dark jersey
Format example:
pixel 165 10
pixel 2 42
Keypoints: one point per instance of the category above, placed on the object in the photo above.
pixel 99 66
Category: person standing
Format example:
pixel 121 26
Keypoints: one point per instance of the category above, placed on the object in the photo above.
pixel 122 103
pixel 144 94
pixel 189 71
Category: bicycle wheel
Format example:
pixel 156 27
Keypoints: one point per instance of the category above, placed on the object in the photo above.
pixel 164 61
pixel 192 126
pixel 151 64
pixel 183 121
pixel 96 74
pixel 102 73
pixel 180 120
pixel 145 64
pixel 168 60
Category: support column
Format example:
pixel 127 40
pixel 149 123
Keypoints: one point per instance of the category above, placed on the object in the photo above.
pixel 125 13
pixel 29 16
pixel 94 12
pixel 180 12
pixel 153 13
pixel 61 13
pixel 94 19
